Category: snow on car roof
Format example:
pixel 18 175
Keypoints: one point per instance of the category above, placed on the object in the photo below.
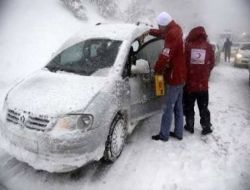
pixel 114 31
pixel 111 31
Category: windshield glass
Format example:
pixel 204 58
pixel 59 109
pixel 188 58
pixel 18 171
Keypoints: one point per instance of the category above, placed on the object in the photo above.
pixel 245 47
pixel 90 57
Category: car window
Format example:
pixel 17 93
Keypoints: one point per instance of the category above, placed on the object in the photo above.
pixel 73 54
pixel 150 51
pixel 90 57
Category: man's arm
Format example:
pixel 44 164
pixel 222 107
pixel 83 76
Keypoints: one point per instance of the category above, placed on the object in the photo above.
pixel 164 60
pixel 155 32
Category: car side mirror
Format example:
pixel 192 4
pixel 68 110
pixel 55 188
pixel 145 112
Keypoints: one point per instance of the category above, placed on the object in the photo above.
pixel 141 67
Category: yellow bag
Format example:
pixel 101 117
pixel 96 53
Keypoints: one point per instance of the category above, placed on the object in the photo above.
pixel 159 85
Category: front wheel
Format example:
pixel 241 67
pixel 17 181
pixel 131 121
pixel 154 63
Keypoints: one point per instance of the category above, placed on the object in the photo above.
pixel 116 138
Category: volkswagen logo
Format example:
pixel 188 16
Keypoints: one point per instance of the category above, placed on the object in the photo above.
pixel 22 120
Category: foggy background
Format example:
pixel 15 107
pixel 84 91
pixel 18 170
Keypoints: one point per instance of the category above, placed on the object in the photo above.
pixel 217 16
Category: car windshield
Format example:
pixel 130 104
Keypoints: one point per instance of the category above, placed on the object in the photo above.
pixel 90 57
pixel 245 47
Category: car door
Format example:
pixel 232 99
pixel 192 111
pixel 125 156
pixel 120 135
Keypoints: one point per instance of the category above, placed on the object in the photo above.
pixel 150 52
pixel 140 64
pixel 135 83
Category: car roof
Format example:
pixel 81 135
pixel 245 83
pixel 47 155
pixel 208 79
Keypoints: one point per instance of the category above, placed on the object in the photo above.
pixel 110 31
pixel 240 43
pixel 114 31
pixel 245 43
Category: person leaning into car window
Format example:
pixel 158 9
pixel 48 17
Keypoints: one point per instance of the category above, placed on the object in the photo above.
pixel 171 63
pixel 200 61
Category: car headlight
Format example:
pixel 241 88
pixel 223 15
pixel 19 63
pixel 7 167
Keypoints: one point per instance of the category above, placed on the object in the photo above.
pixel 71 122
pixel 238 56
pixel 85 122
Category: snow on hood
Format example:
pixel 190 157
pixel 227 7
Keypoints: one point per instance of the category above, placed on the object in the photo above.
pixel 47 93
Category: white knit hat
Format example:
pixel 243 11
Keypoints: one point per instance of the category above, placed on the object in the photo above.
pixel 163 19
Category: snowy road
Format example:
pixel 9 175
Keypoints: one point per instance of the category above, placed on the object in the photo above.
pixel 219 161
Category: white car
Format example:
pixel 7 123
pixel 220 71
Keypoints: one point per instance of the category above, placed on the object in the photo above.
pixel 243 55
pixel 235 48
pixel 83 103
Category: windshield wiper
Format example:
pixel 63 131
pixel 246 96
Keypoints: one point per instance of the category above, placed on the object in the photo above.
pixel 53 66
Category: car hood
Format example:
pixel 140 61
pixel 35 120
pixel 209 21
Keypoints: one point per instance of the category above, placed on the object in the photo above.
pixel 53 94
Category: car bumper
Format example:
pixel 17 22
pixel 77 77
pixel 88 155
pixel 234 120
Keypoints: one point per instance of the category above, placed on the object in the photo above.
pixel 45 152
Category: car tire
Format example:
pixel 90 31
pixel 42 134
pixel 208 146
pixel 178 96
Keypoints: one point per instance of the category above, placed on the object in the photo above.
pixel 116 138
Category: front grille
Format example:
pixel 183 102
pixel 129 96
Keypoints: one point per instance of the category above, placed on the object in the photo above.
pixel 13 116
pixel 245 61
pixel 27 119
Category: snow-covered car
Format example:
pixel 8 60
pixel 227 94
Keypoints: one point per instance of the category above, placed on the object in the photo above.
pixel 242 56
pixel 235 48
pixel 83 103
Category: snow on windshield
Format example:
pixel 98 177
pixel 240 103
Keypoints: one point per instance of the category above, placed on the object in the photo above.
pixel 87 57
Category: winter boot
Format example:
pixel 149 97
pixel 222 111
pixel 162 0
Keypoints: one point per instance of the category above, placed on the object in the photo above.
pixel 158 137
pixel 172 134
pixel 189 129
pixel 206 130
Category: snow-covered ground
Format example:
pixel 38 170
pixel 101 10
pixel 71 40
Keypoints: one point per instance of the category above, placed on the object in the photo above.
pixel 218 161
pixel 28 37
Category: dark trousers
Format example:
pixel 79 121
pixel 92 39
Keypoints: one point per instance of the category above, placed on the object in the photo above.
pixel 188 107
pixel 227 55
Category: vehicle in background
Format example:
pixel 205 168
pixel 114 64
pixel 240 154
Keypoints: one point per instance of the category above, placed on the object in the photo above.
pixel 249 70
pixel 243 55
pixel 83 103
pixel 217 53
pixel 235 47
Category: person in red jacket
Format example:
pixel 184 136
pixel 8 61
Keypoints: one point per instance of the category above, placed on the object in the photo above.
pixel 200 61
pixel 171 63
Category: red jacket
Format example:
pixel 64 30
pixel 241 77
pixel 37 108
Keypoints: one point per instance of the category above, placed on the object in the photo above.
pixel 199 59
pixel 171 61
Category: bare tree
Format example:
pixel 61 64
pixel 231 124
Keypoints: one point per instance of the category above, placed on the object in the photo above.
pixel 106 8
pixel 77 7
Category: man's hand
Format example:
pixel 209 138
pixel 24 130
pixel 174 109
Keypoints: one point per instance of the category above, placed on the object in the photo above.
pixel 146 33
pixel 142 37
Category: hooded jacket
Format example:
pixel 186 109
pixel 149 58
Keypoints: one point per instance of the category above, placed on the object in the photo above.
pixel 171 61
pixel 199 59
